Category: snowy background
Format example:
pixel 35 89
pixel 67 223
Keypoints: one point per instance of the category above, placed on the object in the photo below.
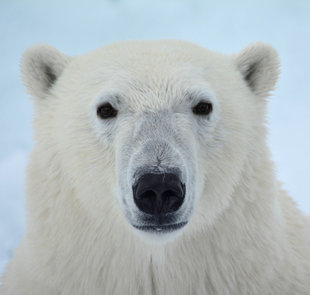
pixel 76 27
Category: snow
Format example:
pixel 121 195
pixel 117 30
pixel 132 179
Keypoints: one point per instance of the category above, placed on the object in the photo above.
pixel 76 27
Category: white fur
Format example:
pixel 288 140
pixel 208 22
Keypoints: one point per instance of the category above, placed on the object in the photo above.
pixel 244 236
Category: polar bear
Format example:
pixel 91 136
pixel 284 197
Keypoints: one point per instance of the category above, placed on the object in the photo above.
pixel 151 175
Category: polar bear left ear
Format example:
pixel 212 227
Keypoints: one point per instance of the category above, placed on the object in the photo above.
pixel 259 66
pixel 41 66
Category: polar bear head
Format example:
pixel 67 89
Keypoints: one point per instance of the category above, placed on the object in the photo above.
pixel 157 132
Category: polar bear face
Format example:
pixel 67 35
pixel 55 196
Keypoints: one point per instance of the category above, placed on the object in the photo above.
pixel 157 132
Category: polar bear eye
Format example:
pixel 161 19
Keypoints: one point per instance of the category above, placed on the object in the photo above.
pixel 203 108
pixel 106 111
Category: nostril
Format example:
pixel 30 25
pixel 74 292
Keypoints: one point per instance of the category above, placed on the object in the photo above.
pixel 171 200
pixel 170 193
pixel 146 201
pixel 147 194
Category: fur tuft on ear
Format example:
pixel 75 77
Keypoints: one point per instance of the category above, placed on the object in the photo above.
pixel 41 66
pixel 259 66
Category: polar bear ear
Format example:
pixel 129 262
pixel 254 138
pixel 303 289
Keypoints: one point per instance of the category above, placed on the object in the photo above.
pixel 41 66
pixel 259 66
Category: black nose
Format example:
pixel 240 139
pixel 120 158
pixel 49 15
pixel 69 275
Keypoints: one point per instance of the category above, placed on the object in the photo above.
pixel 159 193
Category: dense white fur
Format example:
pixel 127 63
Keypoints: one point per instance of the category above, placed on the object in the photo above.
pixel 246 236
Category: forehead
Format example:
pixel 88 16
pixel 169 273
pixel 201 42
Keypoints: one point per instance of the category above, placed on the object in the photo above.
pixel 150 70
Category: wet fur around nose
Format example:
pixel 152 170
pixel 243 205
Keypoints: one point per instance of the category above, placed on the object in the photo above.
pixel 160 141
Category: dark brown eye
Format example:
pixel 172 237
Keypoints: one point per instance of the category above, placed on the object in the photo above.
pixel 203 108
pixel 106 111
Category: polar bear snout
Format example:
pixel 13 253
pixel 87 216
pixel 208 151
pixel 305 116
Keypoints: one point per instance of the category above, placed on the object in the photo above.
pixel 157 176
pixel 159 194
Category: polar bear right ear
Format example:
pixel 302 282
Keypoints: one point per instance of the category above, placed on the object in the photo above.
pixel 259 66
pixel 41 66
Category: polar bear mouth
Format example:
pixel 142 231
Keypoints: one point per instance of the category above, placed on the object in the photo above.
pixel 161 228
